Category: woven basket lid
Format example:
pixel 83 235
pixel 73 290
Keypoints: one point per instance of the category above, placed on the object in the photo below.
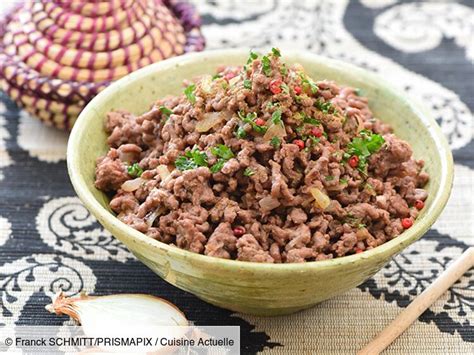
pixel 55 56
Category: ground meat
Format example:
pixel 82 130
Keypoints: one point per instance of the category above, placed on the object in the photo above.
pixel 110 172
pixel 295 171
pixel 222 242
pixel 248 249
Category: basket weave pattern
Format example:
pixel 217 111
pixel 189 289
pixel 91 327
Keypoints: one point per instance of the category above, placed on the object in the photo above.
pixel 55 56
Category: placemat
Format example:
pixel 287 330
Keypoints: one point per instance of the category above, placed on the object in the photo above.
pixel 48 240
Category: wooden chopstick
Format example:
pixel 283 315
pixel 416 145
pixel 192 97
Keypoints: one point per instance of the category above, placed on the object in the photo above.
pixel 420 304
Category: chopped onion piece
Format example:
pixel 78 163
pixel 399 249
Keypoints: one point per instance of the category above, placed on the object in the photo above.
pixel 206 84
pixel 154 215
pixel 234 80
pixel 274 130
pixel 132 185
pixel 360 122
pixel 163 171
pixel 269 203
pixel 212 119
pixel 321 200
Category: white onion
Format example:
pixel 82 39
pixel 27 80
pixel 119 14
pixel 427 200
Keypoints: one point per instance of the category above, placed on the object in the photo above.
pixel 321 200
pixel 234 80
pixel 206 84
pixel 154 215
pixel 269 203
pixel 132 185
pixel 212 119
pixel 274 130
pixel 112 315
pixel 360 122
pixel 163 171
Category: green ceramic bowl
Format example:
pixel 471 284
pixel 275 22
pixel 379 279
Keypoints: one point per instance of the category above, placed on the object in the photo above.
pixel 260 289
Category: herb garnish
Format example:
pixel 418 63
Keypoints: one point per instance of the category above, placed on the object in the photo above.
pixel 266 66
pixel 271 104
pixel 283 69
pixel 343 181
pixel 308 83
pixel 249 172
pixel 276 52
pixel 252 57
pixel 275 142
pixel 216 76
pixel 240 132
pixel 192 159
pixel 310 120
pixel 276 118
pixel 363 146
pixel 165 111
pixel 325 107
pixel 329 178
pixel 250 119
pixel 224 153
pixel 134 170
pixel 248 84
pixel 189 92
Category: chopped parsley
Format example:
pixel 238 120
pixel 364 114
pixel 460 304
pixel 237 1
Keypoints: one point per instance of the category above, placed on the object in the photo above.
pixel 252 57
pixel 216 76
pixel 247 84
pixel 314 140
pixel 165 111
pixel 192 159
pixel 240 132
pixel 364 146
pixel 224 153
pixel 266 66
pixel 310 120
pixel 325 107
pixel 271 104
pixel 329 178
pixel 308 83
pixel 134 170
pixel 276 52
pixel 249 172
pixel 283 69
pixel 275 142
pixel 189 92
pixel 250 119
pixel 217 166
pixel 276 118
pixel 343 181
pixel 285 88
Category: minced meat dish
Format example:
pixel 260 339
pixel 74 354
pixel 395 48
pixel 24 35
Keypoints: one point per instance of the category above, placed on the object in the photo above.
pixel 262 163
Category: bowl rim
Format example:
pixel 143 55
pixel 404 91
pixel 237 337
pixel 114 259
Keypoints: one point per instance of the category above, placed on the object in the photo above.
pixel 388 249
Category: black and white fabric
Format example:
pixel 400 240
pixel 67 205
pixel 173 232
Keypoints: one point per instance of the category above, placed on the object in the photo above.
pixel 49 241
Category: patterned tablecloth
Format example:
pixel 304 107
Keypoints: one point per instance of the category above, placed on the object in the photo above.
pixel 49 241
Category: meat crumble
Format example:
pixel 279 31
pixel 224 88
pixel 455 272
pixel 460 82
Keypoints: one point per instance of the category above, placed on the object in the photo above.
pixel 262 163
